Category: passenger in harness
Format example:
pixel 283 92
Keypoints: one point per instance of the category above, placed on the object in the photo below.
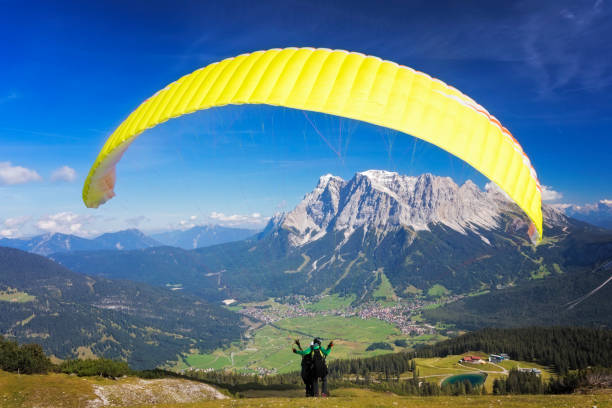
pixel 319 369
pixel 307 370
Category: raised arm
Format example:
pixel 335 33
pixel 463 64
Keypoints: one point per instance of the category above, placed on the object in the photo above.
pixel 327 350
pixel 302 352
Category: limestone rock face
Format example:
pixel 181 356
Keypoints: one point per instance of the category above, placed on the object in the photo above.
pixel 384 201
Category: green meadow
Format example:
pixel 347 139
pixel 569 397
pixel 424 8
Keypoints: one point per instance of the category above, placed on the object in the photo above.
pixel 270 346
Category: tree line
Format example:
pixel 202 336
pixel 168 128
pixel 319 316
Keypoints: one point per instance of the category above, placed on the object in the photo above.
pixel 564 348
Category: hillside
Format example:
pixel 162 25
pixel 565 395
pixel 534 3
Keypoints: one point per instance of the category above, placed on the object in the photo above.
pixel 64 391
pixel 386 380
pixel 553 301
pixel 71 314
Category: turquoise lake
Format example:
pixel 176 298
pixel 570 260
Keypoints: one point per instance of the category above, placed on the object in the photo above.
pixel 475 379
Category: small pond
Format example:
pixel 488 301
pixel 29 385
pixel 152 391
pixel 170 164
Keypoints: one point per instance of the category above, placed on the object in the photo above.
pixel 474 378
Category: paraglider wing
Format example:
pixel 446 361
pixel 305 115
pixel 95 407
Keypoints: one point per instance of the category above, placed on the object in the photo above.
pixel 345 84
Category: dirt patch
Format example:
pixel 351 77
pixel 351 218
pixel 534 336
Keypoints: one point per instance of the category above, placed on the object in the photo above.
pixel 163 391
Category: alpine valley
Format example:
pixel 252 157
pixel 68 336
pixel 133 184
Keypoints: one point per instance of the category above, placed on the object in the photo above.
pixel 376 260
pixel 426 236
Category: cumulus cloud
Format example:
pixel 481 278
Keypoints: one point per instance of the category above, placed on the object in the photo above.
pixel 237 219
pixel 10 174
pixel 604 205
pixel 11 227
pixel 64 173
pixel 187 223
pixel 65 223
pixel 548 194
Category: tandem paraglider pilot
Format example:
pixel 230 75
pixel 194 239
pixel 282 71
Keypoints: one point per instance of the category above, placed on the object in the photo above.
pixel 314 369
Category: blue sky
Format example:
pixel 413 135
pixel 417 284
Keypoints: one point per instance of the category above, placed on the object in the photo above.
pixel 71 72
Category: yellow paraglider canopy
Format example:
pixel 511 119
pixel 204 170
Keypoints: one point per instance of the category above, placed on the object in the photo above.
pixel 345 84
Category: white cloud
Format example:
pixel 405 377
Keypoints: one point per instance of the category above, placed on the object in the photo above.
pixel 562 206
pixel 63 173
pixel 16 221
pixel 10 174
pixel 585 209
pixel 8 233
pixel 548 194
pixel 11 227
pixel 186 224
pixel 237 219
pixel 65 223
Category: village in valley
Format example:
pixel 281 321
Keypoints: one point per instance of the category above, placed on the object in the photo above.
pixel 367 329
pixel 402 314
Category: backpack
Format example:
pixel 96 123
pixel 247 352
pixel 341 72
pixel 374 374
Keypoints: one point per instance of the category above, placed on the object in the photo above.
pixel 307 367
pixel 318 359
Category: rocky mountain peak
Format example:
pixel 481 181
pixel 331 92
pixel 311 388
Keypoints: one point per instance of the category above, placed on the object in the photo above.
pixel 383 200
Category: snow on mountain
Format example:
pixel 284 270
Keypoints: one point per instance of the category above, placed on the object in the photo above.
pixel 384 200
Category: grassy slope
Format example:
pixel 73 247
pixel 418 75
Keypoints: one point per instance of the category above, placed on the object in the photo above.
pixel 59 391
pixel 354 398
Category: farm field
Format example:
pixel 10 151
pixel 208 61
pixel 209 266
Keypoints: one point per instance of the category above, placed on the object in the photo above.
pixel 12 295
pixel 331 302
pixel 270 346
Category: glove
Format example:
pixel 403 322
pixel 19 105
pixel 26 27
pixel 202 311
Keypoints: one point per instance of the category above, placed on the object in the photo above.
pixel 295 351
pixel 297 341
pixel 330 345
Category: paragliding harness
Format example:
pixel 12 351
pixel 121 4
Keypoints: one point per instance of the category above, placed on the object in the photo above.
pixel 318 362
pixel 307 365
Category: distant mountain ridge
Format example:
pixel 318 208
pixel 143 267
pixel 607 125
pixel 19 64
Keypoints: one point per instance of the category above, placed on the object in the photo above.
pixel 202 236
pixel 51 243
pixel 348 237
pixel 130 239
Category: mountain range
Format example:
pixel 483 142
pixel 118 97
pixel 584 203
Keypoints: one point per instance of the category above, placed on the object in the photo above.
pixel 202 236
pixel 348 236
pixel 196 237
pixel 74 315
pixel 47 244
